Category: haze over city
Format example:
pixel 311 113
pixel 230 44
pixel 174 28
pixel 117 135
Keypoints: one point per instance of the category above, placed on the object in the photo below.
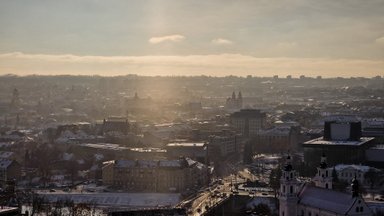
pixel 191 107
pixel 216 38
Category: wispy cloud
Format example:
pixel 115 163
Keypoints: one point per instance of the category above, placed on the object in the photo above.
pixel 172 38
pixel 214 65
pixel 221 41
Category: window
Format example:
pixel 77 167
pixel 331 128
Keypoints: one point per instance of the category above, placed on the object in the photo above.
pixel 361 209
pixel 291 189
pixel 326 173
pixel 357 209
pixel 326 185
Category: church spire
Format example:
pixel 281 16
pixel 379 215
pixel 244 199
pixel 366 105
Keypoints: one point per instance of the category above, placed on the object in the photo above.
pixel 288 189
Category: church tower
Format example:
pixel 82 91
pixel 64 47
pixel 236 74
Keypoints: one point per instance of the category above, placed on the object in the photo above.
pixel 288 190
pixel 323 176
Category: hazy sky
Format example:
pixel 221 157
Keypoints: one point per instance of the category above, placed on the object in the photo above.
pixel 193 37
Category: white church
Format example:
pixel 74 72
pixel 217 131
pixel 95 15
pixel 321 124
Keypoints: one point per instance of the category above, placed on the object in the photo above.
pixel 317 198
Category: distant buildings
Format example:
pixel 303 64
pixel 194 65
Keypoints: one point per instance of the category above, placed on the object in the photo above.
pixel 234 103
pixel 248 121
pixel 154 176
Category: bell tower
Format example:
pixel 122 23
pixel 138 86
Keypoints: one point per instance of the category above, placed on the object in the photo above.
pixel 288 190
pixel 323 176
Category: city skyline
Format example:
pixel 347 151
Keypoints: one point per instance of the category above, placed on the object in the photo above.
pixel 216 38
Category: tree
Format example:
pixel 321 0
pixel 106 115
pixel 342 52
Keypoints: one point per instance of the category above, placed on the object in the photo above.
pixel 37 202
pixel 371 176
pixel 247 157
pixel 262 210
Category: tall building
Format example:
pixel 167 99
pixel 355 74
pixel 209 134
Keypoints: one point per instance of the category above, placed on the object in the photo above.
pixel 298 198
pixel 248 122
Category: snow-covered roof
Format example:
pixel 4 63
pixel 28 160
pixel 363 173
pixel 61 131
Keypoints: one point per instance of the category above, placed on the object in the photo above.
pixel 6 154
pixel 360 168
pixel 186 144
pixel 155 163
pixel 330 200
pixel 321 141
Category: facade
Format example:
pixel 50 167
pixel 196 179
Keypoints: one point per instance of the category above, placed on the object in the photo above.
pixel 306 199
pixel 154 176
pixel 248 121
pixel 223 145
pixel 282 138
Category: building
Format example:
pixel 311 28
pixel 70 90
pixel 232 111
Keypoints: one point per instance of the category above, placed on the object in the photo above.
pixel 308 199
pixel 347 172
pixel 248 122
pixel 194 150
pixel 154 176
pixel 233 103
pixel 224 145
pixel 281 138
pixel 342 143
pixel 118 125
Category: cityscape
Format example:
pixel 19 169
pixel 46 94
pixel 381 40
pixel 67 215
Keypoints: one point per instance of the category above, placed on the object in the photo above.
pixel 191 108
pixel 135 145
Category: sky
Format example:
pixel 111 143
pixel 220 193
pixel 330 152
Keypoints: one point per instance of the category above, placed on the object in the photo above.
pixel 326 38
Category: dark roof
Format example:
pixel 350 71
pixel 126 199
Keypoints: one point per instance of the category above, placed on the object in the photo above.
pixel 248 113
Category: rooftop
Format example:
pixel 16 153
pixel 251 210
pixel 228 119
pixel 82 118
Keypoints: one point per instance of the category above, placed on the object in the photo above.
pixel 322 198
pixel 321 141
pixel 104 146
pixel 186 144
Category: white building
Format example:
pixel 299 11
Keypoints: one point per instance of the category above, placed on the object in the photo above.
pixel 348 172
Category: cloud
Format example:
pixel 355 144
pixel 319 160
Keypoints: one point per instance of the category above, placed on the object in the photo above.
pixel 380 41
pixel 214 65
pixel 221 41
pixel 172 38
